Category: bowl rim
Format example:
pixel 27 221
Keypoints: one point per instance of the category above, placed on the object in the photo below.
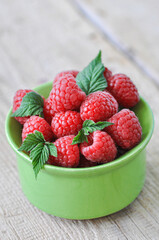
pixel 119 162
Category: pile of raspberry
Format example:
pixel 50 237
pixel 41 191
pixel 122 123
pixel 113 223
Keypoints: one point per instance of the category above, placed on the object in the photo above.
pixel 67 107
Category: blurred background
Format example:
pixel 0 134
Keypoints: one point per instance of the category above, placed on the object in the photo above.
pixel 40 38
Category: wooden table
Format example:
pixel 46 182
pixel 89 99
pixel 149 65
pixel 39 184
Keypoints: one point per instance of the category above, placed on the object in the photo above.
pixel 40 38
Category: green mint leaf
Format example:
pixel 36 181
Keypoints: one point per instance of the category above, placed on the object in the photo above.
pixel 39 150
pixel 79 138
pixel 31 141
pixel 88 127
pixel 39 136
pixel 91 79
pixel 39 156
pixel 52 149
pixel 32 104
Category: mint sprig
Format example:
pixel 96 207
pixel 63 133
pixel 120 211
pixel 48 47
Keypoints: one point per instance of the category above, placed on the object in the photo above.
pixel 32 104
pixel 91 79
pixel 88 127
pixel 80 137
pixel 39 150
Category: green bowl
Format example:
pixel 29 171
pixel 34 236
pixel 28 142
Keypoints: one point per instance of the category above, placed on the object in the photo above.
pixel 84 193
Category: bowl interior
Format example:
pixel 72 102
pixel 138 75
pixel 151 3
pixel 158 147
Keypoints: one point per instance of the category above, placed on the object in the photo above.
pixel 142 110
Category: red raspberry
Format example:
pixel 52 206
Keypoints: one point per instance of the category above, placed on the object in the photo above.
pixel 67 155
pixel 17 101
pixel 66 123
pixel 49 113
pixel 37 123
pixel 66 95
pixel 126 130
pixel 85 163
pixel 123 89
pixel 100 147
pixel 107 73
pixel 98 106
pixel 51 161
pixel 62 74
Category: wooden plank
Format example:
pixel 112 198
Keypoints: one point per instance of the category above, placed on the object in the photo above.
pixel 129 27
pixel 38 39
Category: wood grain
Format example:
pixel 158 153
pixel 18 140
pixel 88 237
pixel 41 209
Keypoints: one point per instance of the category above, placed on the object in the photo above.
pixel 130 27
pixel 37 40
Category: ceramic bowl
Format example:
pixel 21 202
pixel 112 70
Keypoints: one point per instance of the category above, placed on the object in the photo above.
pixel 84 193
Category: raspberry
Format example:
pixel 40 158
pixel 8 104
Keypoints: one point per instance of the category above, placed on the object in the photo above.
pixel 85 163
pixel 17 101
pixel 126 130
pixel 67 154
pixel 62 74
pixel 98 106
pixel 51 161
pixel 66 95
pixel 48 111
pixel 37 123
pixel 123 89
pixel 66 123
pixel 107 73
pixel 100 147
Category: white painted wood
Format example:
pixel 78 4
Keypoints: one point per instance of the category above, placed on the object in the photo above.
pixel 131 27
pixel 38 39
